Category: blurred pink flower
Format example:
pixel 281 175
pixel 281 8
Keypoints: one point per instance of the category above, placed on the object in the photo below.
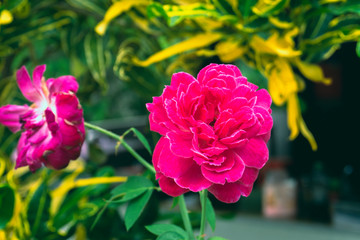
pixel 214 133
pixel 52 127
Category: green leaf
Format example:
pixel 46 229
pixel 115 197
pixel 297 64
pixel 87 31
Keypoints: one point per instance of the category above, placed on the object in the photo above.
pixel 358 48
pixel 210 214
pixel 159 229
pixel 135 208
pixel 170 236
pixel 175 202
pixel 94 53
pixel 142 139
pixel 350 6
pixel 174 14
pixel 245 8
pixel 7 203
pixel 132 188
pixel 268 8
pixel 217 238
pixel 86 5
pixel 38 210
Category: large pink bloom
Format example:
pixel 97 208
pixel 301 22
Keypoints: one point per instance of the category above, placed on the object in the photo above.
pixel 214 133
pixel 52 127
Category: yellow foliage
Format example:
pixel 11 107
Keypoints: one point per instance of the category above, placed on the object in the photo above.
pixel 198 41
pixel 188 10
pixel 262 7
pixel 275 45
pixel 115 10
pixel 280 24
pixel 229 50
pixel 312 72
pixel 296 122
pixel 283 88
pixel 5 17
pixel 282 82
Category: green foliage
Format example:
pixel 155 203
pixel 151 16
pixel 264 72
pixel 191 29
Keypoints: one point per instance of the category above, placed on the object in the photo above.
pixel 160 229
pixel 210 214
pixel 137 191
pixel 7 202
pixel 135 208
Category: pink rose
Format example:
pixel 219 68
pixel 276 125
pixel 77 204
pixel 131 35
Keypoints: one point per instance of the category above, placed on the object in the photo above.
pixel 52 127
pixel 214 133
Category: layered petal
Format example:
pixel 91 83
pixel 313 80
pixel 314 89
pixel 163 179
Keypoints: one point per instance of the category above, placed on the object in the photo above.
pixel 230 192
pixel 255 153
pixel 10 116
pixel 53 127
pixel 214 132
pixel 31 90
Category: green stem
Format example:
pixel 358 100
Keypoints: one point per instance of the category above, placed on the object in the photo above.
pixel 185 217
pixel 122 141
pixel 203 198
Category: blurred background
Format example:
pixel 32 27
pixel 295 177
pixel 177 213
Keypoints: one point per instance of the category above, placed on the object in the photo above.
pixel 306 53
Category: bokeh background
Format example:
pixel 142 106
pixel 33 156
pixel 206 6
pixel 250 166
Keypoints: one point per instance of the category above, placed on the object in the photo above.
pixel 306 53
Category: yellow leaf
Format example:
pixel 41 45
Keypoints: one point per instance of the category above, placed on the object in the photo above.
pixel 282 81
pixel 116 9
pixel 58 195
pixel 307 134
pixel 198 41
pixel 189 10
pixel 99 180
pixel 274 45
pixel 336 37
pixel 263 7
pixel 330 1
pixel 5 17
pixel 293 115
pixel 142 23
pixel 208 24
pixel 280 24
pixel 2 166
pixel 296 123
pixel 229 50
pixel 80 233
pixel 312 72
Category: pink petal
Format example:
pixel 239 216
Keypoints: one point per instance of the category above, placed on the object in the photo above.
pixel 68 107
pixel 266 119
pixel 169 164
pixel 263 99
pixel 193 179
pixel 31 92
pixel 22 149
pixel 169 186
pixel 50 119
pixel 57 159
pixel 180 145
pixel 181 78
pixel 230 192
pixel 62 84
pixel 71 136
pixel 249 176
pixel 231 175
pixel 159 121
pixel 32 159
pixel 10 116
pixel 255 153
pixel 37 76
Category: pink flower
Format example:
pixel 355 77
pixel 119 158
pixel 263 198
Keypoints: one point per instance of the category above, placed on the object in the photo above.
pixel 52 127
pixel 214 133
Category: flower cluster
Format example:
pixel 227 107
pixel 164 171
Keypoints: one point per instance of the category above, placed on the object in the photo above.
pixel 214 133
pixel 52 127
